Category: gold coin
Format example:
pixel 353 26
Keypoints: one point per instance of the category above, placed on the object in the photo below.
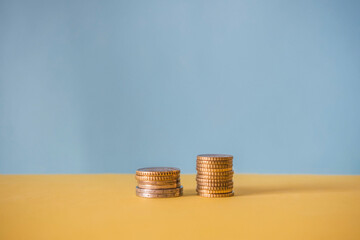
pixel 157 178
pixel 159 191
pixel 177 181
pixel 208 178
pixel 200 177
pixel 158 171
pixel 227 173
pixel 217 162
pixel 213 188
pixel 213 180
pixel 164 186
pixel 205 186
pixel 213 169
pixel 214 185
pixel 216 195
pixel 216 166
pixel 208 191
pixel 149 195
pixel 201 184
pixel 214 157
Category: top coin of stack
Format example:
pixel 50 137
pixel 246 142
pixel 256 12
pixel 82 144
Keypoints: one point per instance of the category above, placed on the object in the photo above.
pixel 158 182
pixel 214 175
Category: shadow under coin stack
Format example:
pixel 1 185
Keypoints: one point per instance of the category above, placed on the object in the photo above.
pixel 158 182
pixel 214 175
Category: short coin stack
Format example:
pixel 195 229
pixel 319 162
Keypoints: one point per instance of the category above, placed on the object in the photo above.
pixel 214 175
pixel 158 182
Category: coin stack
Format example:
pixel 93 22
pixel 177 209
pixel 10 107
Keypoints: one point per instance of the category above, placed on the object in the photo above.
pixel 214 175
pixel 158 182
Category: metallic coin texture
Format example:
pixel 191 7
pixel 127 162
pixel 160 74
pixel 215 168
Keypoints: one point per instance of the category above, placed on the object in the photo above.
pixel 216 195
pixel 208 178
pixel 213 169
pixel 157 171
pixel 148 195
pixel 213 182
pixel 159 182
pixel 206 191
pixel 175 185
pixel 227 173
pixel 159 191
pixel 214 157
pixel 157 178
pixel 214 175
pixel 211 187
pixel 213 166
pixel 214 162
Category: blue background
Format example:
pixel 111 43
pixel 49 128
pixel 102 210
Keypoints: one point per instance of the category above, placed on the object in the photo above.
pixel 111 86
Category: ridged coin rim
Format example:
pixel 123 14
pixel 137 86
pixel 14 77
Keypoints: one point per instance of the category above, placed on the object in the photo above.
pixel 160 182
pixel 210 178
pixel 210 187
pixel 227 173
pixel 215 166
pixel 147 195
pixel 216 195
pixel 159 191
pixel 213 169
pixel 157 171
pixel 214 185
pixel 214 162
pixel 144 186
pixel 157 178
pixel 214 180
pixel 214 157
pixel 208 191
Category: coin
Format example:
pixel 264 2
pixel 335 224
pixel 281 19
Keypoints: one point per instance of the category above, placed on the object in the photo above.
pixel 214 157
pixel 214 186
pixel 156 178
pixel 157 171
pixel 210 191
pixel 227 173
pixel 177 181
pixel 210 178
pixel 148 195
pixel 203 186
pixel 216 195
pixel 159 191
pixel 213 169
pixel 215 166
pixel 206 185
pixel 160 195
pixel 214 175
pixel 215 162
pixel 174 185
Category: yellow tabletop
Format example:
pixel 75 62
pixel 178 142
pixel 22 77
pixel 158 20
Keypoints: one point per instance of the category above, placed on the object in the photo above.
pixel 105 207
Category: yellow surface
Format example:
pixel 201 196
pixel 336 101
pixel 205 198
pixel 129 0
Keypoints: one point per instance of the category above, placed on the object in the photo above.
pixel 105 207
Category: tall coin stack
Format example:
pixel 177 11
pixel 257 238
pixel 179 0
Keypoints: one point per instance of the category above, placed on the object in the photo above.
pixel 214 175
pixel 158 182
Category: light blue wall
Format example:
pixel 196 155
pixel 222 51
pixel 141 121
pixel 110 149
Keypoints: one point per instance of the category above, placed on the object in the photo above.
pixel 111 86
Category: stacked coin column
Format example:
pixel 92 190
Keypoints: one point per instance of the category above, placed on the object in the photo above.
pixel 158 182
pixel 214 175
